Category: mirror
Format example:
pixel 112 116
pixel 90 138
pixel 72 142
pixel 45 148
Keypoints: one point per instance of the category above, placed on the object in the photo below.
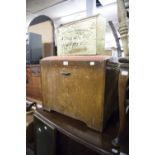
pixel 43 26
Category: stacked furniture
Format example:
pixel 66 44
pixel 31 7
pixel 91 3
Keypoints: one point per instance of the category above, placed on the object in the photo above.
pixel 79 93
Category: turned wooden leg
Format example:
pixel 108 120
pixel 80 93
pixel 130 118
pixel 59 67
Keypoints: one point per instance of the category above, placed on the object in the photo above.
pixel 123 26
pixel 123 79
pixel 122 95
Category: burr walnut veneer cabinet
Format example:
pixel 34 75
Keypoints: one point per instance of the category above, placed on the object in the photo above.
pixel 81 87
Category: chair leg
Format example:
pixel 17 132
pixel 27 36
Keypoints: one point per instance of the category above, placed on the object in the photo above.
pixel 122 115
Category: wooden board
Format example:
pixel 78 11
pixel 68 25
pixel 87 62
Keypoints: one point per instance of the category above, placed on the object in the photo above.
pixel 82 37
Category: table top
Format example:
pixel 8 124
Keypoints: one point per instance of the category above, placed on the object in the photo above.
pixel 29 117
pixel 34 100
pixel 78 131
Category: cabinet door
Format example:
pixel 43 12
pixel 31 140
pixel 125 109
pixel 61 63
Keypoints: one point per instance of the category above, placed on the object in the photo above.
pixel 45 138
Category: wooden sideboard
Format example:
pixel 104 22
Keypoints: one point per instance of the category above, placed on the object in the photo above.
pixel 57 134
pixel 33 82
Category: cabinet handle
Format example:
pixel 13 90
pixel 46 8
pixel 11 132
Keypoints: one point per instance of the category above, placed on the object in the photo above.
pixel 65 73
pixel 39 129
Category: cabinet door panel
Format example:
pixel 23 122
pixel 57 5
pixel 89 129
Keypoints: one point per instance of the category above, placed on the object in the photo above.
pixel 45 138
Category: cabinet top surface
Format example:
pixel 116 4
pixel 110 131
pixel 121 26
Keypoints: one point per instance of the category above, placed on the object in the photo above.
pixel 77 58
pixel 78 131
